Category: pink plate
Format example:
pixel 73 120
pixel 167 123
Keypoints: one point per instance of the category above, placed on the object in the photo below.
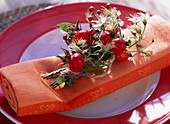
pixel 15 40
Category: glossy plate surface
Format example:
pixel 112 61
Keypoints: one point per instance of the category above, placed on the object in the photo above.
pixel 16 41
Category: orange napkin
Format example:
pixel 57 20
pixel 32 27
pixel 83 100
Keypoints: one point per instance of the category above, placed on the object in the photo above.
pixel 29 94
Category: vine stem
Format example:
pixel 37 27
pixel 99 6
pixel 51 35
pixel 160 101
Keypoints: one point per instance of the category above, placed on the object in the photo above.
pixel 133 44
pixel 140 37
pixel 95 16
pixel 103 74
pixel 64 71
pixel 47 75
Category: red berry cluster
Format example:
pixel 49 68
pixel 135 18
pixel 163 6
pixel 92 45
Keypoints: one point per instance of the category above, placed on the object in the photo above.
pixel 76 62
pixel 92 9
pixel 117 44
pixel 119 47
pixel 95 49
pixel 90 17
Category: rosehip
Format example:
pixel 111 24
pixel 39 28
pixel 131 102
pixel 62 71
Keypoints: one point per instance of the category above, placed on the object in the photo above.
pixel 98 12
pixel 90 18
pixel 105 37
pixel 76 62
pixel 92 32
pixel 118 45
pixel 122 56
pixel 65 37
pixel 91 9
pixel 84 35
pixel 108 5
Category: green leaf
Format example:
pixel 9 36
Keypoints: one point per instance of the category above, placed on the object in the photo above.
pixel 54 83
pixel 129 41
pixel 70 82
pixel 133 33
pixel 60 79
pixel 77 25
pixel 139 46
pixel 116 36
pixel 52 77
pixel 65 26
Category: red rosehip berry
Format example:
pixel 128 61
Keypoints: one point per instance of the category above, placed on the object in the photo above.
pixel 76 63
pixel 91 8
pixel 108 6
pixel 118 45
pixel 65 37
pixel 105 37
pixel 122 56
pixel 98 12
pixel 84 35
pixel 90 18
pixel 92 32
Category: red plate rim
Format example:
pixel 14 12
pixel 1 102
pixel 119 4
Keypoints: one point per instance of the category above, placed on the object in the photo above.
pixel 56 117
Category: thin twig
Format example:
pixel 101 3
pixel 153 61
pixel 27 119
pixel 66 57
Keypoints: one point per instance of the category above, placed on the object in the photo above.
pixel 103 74
pixel 52 73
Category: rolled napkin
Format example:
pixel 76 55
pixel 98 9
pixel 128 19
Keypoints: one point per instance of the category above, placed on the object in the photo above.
pixel 30 94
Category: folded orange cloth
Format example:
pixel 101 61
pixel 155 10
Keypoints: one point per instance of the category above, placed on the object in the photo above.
pixel 29 94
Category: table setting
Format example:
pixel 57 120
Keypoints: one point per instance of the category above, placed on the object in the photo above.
pixel 137 90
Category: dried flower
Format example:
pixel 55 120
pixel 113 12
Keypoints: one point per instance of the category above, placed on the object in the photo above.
pixel 98 54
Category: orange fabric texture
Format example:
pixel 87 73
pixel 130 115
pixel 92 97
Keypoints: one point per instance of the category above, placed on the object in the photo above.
pixel 29 94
